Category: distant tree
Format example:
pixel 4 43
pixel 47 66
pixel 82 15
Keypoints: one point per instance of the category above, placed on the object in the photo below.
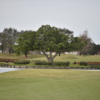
pixel 3 42
pixel 89 46
pixel 95 50
pixel 8 38
pixel 25 43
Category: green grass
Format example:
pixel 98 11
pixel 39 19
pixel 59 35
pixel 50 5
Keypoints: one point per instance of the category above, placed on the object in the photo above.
pixel 62 58
pixel 14 56
pixel 72 58
pixel 78 58
pixel 50 84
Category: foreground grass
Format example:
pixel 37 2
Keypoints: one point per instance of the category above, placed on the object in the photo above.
pixel 50 84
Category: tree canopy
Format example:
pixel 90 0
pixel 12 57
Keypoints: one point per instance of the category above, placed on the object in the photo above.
pixel 48 39
pixel 8 38
pixel 25 43
pixel 87 49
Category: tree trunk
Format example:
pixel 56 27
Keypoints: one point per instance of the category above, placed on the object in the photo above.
pixel 9 51
pixel 2 48
pixel 50 59
pixel 26 54
pixel 45 55
pixel 59 53
pixel 55 55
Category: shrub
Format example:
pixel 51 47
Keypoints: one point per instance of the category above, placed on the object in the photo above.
pixel 61 63
pixel 21 62
pixel 38 62
pixel 43 63
pixel 3 64
pixel 75 62
pixel 52 63
pixel 84 63
pixel 94 66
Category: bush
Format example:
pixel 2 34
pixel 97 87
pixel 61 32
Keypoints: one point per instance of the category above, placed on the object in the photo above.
pixel 75 62
pixel 61 63
pixel 21 62
pixel 52 63
pixel 94 66
pixel 43 63
pixel 37 62
pixel 3 64
pixel 83 63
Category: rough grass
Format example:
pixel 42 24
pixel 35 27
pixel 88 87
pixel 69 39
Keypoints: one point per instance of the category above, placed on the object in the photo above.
pixel 50 84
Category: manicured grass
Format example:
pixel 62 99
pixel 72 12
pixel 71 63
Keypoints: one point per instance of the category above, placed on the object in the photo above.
pixel 72 58
pixel 62 58
pixel 14 56
pixel 50 84
pixel 67 57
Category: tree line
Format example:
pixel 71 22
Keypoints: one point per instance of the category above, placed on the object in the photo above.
pixel 47 39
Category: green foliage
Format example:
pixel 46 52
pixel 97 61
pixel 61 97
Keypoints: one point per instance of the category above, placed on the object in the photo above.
pixel 2 63
pixel 94 66
pixel 84 63
pixel 25 43
pixel 50 39
pixel 8 38
pixel 61 63
pixel 21 62
pixel 96 50
pixel 39 62
pixel 75 62
pixel 52 63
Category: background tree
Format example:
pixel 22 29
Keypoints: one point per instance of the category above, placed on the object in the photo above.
pixel 8 38
pixel 3 42
pixel 87 48
pixel 95 50
pixel 25 43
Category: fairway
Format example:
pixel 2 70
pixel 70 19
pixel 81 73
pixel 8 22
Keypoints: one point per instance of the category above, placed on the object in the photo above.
pixel 50 84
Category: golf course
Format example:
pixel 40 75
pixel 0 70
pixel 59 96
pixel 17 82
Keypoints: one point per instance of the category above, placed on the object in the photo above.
pixel 50 84
pixel 49 50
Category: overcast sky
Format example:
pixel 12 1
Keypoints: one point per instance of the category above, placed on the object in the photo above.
pixel 75 15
